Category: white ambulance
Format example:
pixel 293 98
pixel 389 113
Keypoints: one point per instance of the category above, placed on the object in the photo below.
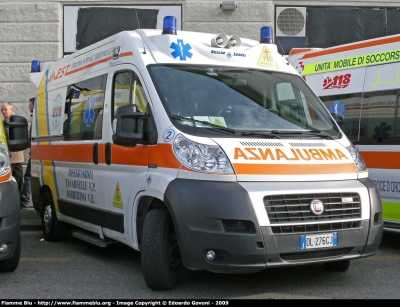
pixel 198 150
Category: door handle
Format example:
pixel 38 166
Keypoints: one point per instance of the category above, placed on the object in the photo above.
pixel 96 153
pixel 108 153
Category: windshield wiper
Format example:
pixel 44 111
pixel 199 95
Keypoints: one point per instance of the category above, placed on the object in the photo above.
pixel 321 134
pixel 210 125
pixel 270 135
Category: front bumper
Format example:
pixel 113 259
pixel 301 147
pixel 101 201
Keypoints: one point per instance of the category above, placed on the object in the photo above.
pixel 230 219
pixel 9 217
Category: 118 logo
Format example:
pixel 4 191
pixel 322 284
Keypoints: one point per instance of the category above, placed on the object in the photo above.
pixel 340 81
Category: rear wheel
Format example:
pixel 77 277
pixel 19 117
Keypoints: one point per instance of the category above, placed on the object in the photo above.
pixel 53 229
pixel 160 254
pixel 337 266
pixel 10 264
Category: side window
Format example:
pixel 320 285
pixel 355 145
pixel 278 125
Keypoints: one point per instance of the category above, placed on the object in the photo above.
pixel 128 89
pixel 379 118
pixel 347 107
pixel 83 113
pixel 369 118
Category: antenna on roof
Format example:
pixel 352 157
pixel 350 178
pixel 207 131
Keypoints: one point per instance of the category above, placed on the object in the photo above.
pixel 137 18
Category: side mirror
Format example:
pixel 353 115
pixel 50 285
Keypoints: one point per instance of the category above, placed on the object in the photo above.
pixel 129 126
pixel 338 118
pixel 17 133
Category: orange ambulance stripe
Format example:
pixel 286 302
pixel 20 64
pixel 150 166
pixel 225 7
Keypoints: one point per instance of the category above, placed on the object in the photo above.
pixel 352 47
pixel 71 153
pixel 379 159
pixel 124 54
pixel 138 155
pixel 161 154
pixel 290 169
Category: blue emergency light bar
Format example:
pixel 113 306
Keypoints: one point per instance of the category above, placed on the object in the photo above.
pixel 266 35
pixel 35 66
pixel 169 26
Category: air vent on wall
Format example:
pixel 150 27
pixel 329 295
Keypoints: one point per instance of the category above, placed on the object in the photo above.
pixel 291 21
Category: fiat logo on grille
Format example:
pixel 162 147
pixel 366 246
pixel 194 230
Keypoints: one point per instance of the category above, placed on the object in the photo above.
pixel 316 207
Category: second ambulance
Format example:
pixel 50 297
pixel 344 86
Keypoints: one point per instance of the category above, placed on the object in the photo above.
pixel 202 150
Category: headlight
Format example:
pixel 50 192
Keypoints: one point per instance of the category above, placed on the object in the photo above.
pixel 201 157
pixel 358 159
pixel 4 159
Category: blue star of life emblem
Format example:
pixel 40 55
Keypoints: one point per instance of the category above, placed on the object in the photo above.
pixel 89 110
pixel 337 108
pixel 181 50
pixel 149 180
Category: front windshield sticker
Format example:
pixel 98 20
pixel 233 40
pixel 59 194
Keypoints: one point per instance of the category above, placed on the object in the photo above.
pixel 169 135
pixel 266 58
pixel 220 121
pixel 89 110
pixel 337 108
pixel 181 50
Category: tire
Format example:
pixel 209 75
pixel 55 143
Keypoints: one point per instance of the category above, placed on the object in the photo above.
pixel 337 266
pixel 160 256
pixel 53 229
pixel 10 264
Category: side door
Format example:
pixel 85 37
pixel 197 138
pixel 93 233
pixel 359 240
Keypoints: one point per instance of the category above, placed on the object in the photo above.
pixel 80 176
pixel 125 168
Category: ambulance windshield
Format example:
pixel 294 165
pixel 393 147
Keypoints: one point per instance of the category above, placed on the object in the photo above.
pixel 241 99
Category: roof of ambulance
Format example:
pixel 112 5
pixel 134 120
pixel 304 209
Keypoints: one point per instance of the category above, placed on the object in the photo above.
pixel 186 48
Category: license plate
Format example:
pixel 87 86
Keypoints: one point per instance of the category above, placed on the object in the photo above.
pixel 319 240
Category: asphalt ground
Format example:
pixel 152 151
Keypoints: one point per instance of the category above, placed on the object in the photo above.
pixel 30 220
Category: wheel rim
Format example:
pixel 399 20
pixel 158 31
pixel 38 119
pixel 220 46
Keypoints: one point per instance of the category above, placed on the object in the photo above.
pixel 47 218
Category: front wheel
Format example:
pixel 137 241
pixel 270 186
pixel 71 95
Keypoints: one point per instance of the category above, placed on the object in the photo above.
pixel 10 264
pixel 160 254
pixel 337 266
pixel 53 229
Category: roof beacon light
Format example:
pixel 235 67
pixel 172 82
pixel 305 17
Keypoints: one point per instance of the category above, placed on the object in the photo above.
pixel 266 35
pixel 35 66
pixel 169 26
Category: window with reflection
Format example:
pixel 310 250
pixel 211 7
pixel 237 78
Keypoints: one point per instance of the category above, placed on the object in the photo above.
pixel 369 118
pixel 128 90
pixel 84 108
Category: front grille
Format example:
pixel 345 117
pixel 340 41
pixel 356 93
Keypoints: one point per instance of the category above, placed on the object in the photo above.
pixel 339 252
pixel 392 225
pixel 296 208
pixel 294 212
pixel 319 145
pixel 316 227
pixel 260 144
